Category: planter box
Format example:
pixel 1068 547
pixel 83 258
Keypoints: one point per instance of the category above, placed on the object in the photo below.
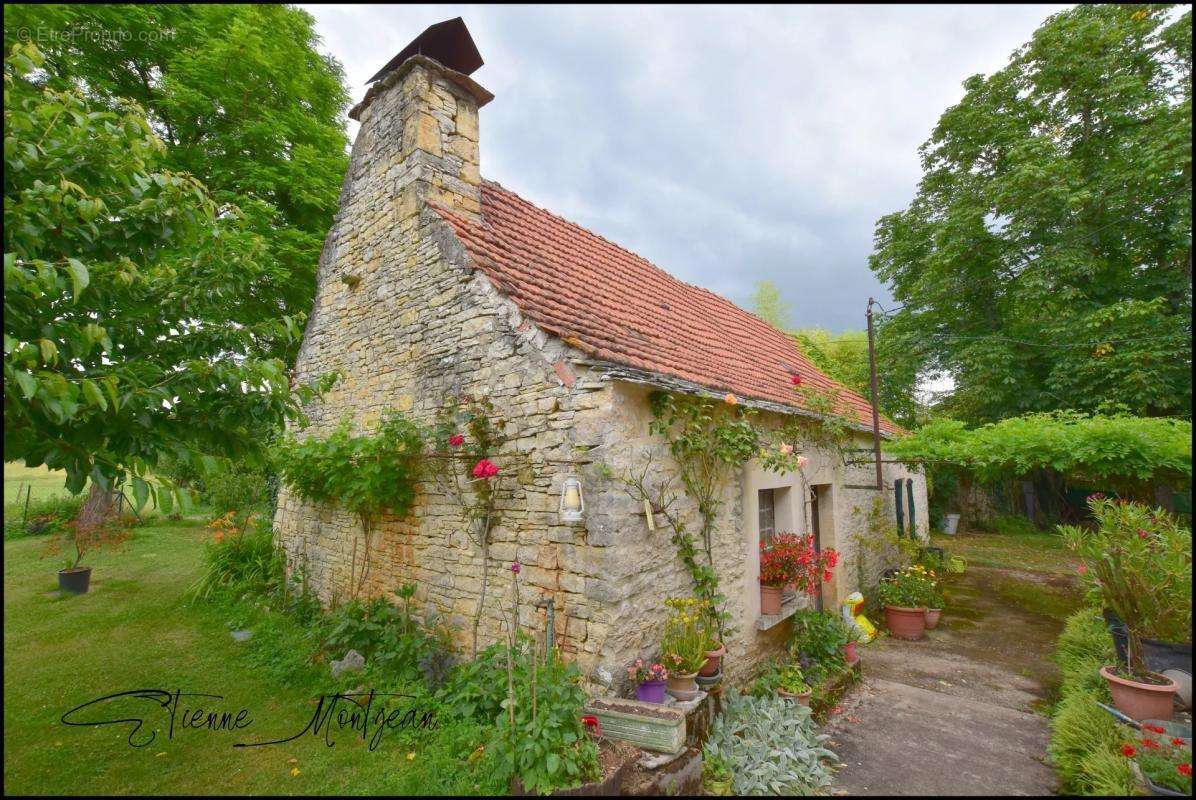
pixel 648 726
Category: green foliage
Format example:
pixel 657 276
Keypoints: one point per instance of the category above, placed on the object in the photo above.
pixel 768 305
pixel 911 587
pixel 817 642
pixel 1139 563
pixel 126 329
pixel 473 689
pixel 46 516
pixel 240 562
pixel 365 474
pixel 1007 525
pixel 788 677
pixel 844 357
pixel 1084 646
pixel 1161 760
pixel 1045 262
pixel 539 738
pixel 243 100
pixel 398 648
pixel 771 745
pixel 1128 452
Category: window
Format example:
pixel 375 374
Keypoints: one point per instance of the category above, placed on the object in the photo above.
pixel 768 515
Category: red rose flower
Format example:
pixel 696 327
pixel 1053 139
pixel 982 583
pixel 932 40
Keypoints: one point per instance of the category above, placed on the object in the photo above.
pixel 1128 751
pixel 484 469
pixel 456 440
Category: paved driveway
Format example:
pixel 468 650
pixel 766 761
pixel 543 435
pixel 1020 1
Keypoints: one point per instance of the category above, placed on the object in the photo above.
pixel 957 713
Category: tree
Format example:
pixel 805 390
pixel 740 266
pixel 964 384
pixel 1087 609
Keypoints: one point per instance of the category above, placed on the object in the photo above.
pixel 130 327
pixel 844 357
pixel 1046 260
pixel 768 305
pixel 242 99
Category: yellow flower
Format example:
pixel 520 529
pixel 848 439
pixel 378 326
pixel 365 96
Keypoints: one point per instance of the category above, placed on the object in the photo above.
pixel 411 756
pixel 294 771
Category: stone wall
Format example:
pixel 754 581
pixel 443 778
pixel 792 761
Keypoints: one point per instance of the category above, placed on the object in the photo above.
pixel 407 324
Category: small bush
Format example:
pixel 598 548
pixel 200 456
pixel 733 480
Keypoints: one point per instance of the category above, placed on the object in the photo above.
pixel 817 643
pixel 770 745
pixel 47 515
pixel 246 563
pixel 539 737
pixel 1085 739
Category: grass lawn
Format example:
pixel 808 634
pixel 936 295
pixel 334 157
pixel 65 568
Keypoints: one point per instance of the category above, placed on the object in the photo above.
pixel 43 482
pixel 1034 552
pixel 135 630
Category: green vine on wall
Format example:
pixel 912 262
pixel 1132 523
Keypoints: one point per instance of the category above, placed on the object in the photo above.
pixel 365 474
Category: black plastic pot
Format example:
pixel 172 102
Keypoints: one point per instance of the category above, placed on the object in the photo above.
pixel 1157 656
pixel 1120 636
pixel 74 580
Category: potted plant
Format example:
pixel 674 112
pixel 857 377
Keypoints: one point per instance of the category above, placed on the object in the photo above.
pixel 1138 561
pixel 1165 763
pixel 792 560
pixel 716 774
pixel 649 679
pixel 853 635
pixel 904 596
pixel 686 644
pixel 934 602
pixel 85 534
pixel 791 684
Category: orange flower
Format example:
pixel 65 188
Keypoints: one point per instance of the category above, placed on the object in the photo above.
pixel 730 399
pixel 218 537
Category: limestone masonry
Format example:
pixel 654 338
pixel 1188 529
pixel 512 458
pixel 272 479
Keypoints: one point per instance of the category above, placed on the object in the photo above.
pixel 410 311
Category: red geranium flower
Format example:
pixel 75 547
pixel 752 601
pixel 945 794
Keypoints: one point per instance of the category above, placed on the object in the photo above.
pixel 1154 728
pixel 796 380
pixel 1128 750
pixel 1178 742
pixel 1185 770
pixel 456 440
pixel 1150 744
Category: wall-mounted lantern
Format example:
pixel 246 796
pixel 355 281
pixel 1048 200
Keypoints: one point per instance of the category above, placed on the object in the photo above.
pixel 572 503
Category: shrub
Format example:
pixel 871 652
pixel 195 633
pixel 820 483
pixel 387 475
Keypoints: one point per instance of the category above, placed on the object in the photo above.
pixel 47 515
pixel 1085 739
pixel 397 647
pixel 239 562
pixel 1083 648
pixel 770 745
pixel 687 637
pixel 1139 562
pixel 911 587
pixel 1166 761
pixel 817 643
pixel 540 737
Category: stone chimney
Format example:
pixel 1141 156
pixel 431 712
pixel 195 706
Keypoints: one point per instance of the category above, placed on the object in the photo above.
pixel 419 125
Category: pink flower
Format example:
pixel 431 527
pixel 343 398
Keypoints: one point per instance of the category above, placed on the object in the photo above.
pixel 456 440
pixel 802 461
pixel 484 469
pixel 1142 533
pixel 1082 569
pixel 515 567
pixel 786 449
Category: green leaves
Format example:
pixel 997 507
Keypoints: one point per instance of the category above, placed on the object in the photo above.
pixel 1045 261
pixel 80 277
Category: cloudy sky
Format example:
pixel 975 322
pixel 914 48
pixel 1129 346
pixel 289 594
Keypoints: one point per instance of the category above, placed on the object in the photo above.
pixel 727 145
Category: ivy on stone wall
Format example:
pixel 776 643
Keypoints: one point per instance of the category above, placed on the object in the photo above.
pixel 366 474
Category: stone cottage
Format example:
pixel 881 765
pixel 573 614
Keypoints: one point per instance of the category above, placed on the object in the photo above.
pixel 435 282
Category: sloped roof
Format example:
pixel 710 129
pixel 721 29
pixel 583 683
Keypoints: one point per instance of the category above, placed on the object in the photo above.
pixel 618 307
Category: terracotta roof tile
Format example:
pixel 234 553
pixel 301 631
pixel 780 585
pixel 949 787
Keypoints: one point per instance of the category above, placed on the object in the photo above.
pixel 618 307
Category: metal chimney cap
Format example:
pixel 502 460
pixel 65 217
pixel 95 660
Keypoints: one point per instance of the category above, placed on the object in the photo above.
pixel 448 42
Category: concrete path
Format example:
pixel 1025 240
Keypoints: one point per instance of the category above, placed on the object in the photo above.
pixel 956 713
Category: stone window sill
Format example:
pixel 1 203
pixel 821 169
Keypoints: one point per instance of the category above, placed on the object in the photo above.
pixel 789 607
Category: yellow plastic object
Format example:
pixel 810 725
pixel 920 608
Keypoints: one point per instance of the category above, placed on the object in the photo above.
pixel 853 614
pixel 956 564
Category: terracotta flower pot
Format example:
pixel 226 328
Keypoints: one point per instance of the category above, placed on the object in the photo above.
pixel 683 687
pixel 802 699
pixel 714 658
pixel 906 623
pixel 1141 700
pixel 849 653
pixel 770 600
pixel 932 618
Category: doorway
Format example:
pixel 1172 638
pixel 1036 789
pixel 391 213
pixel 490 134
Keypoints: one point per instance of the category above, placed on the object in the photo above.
pixel 820 526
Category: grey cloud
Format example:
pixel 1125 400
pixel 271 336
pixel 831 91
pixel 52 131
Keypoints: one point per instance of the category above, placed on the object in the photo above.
pixel 725 144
